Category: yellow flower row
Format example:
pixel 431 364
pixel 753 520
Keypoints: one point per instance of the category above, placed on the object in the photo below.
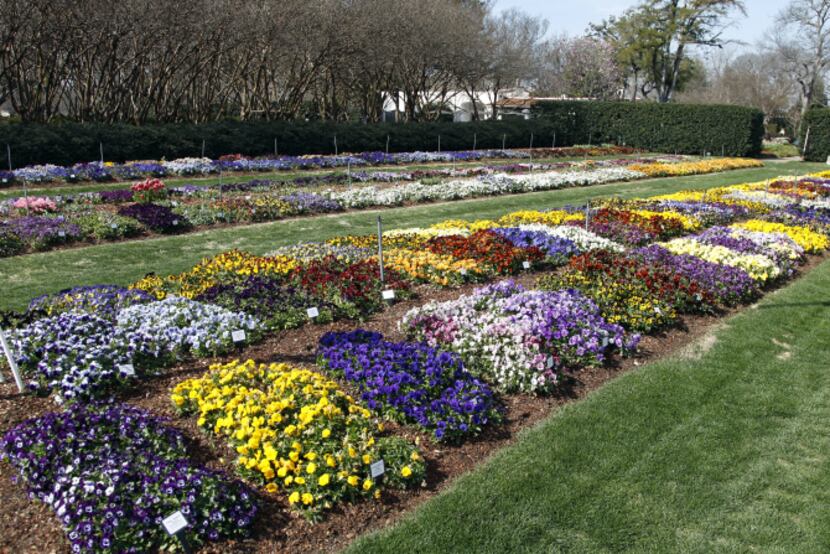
pixel 689 223
pixel 426 266
pixel 554 217
pixel 209 271
pixel 694 168
pixel 806 238
pixel 293 430
pixel 759 267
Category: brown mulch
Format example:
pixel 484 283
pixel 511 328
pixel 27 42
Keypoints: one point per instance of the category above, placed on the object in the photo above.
pixel 30 526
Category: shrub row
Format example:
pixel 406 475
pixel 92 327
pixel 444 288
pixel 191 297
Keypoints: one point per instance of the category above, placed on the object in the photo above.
pixel 688 129
pixel 681 128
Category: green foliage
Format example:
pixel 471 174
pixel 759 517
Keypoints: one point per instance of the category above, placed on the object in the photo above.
pixel 817 120
pixel 69 143
pixel 681 128
pixel 106 225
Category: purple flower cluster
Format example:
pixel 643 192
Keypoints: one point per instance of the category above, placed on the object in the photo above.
pixel 618 231
pixel 276 305
pixel 710 213
pixel 112 472
pixel 309 203
pixel 116 196
pixel 82 356
pixel 413 381
pixel 40 232
pixel 101 300
pixel 801 215
pixel 155 217
pixel 557 249
pixel 728 285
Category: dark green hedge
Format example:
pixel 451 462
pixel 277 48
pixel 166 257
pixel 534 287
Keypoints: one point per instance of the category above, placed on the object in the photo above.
pixel 68 143
pixel 681 128
pixel 817 120
pixel 685 129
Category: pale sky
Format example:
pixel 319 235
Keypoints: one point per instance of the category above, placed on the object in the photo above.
pixel 573 17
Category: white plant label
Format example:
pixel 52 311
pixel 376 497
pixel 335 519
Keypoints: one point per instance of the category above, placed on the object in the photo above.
pixel 388 294
pixel 220 215
pixel 174 523
pixel 175 222
pixel 238 335
pixel 377 469
pixel 248 197
pixel 129 369
pixel 463 271
pixel 526 265
pixel 114 225
pixel 61 234
pixel 174 203
pixel 313 312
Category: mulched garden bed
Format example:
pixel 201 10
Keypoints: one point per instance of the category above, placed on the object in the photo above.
pixel 31 526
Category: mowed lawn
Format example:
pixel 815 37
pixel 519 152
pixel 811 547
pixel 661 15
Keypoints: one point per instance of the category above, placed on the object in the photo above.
pixel 723 448
pixel 24 277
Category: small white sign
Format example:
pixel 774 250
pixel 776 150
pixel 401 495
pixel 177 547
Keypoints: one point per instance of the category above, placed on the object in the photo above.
pixel 388 294
pixel 220 215
pixel 238 335
pixel 174 523
pixel 61 234
pixel 550 362
pixel 174 203
pixel 114 225
pixel 658 310
pixel 463 271
pixel 313 312
pixel 377 469
pixel 128 369
pixel 526 265
pixel 175 222
pixel 248 197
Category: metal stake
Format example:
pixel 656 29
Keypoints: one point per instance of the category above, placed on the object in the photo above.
pixel 380 248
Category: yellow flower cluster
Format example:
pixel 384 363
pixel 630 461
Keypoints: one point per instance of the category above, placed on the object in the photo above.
pixel 694 168
pixel 760 268
pixel 428 267
pixel 555 217
pixel 806 238
pixel 209 271
pixel 292 430
pixel 471 226
pixel 401 240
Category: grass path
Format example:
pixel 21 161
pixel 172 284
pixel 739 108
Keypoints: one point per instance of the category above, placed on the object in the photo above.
pixel 726 453
pixel 24 277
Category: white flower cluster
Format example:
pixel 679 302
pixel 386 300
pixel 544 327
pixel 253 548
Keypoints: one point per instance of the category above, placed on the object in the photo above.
pixel 584 240
pixel 187 326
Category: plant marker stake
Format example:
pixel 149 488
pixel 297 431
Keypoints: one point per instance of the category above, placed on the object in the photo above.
pixel 439 144
pixel 587 214
pixel 101 150
pixel 503 142
pixel 203 148
pixel 553 145
pixel 387 145
pixel 9 156
pixel 12 363
pixel 335 145
pixel 349 171
pixel 276 151
pixel 380 249
pixel 174 524
pixel 530 150
pixel 475 141
pixel 806 142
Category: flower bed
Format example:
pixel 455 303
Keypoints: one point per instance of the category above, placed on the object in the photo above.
pixel 759 267
pixel 186 327
pixel 557 250
pixel 100 300
pixel 296 431
pixel 82 356
pixel 277 306
pixel 427 267
pixel 809 240
pixel 111 473
pixel 488 249
pixel 519 340
pixel 411 382
pixel 158 218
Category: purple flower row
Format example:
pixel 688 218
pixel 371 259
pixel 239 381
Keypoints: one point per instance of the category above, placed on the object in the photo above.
pixel 112 472
pixel 411 381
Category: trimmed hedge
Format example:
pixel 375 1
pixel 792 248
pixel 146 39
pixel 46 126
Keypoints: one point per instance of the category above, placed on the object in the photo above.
pixel 687 129
pixel 69 143
pixel 817 120
pixel 681 128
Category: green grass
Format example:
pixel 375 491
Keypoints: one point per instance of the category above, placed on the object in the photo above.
pixel 726 453
pixel 781 150
pixel 121 263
